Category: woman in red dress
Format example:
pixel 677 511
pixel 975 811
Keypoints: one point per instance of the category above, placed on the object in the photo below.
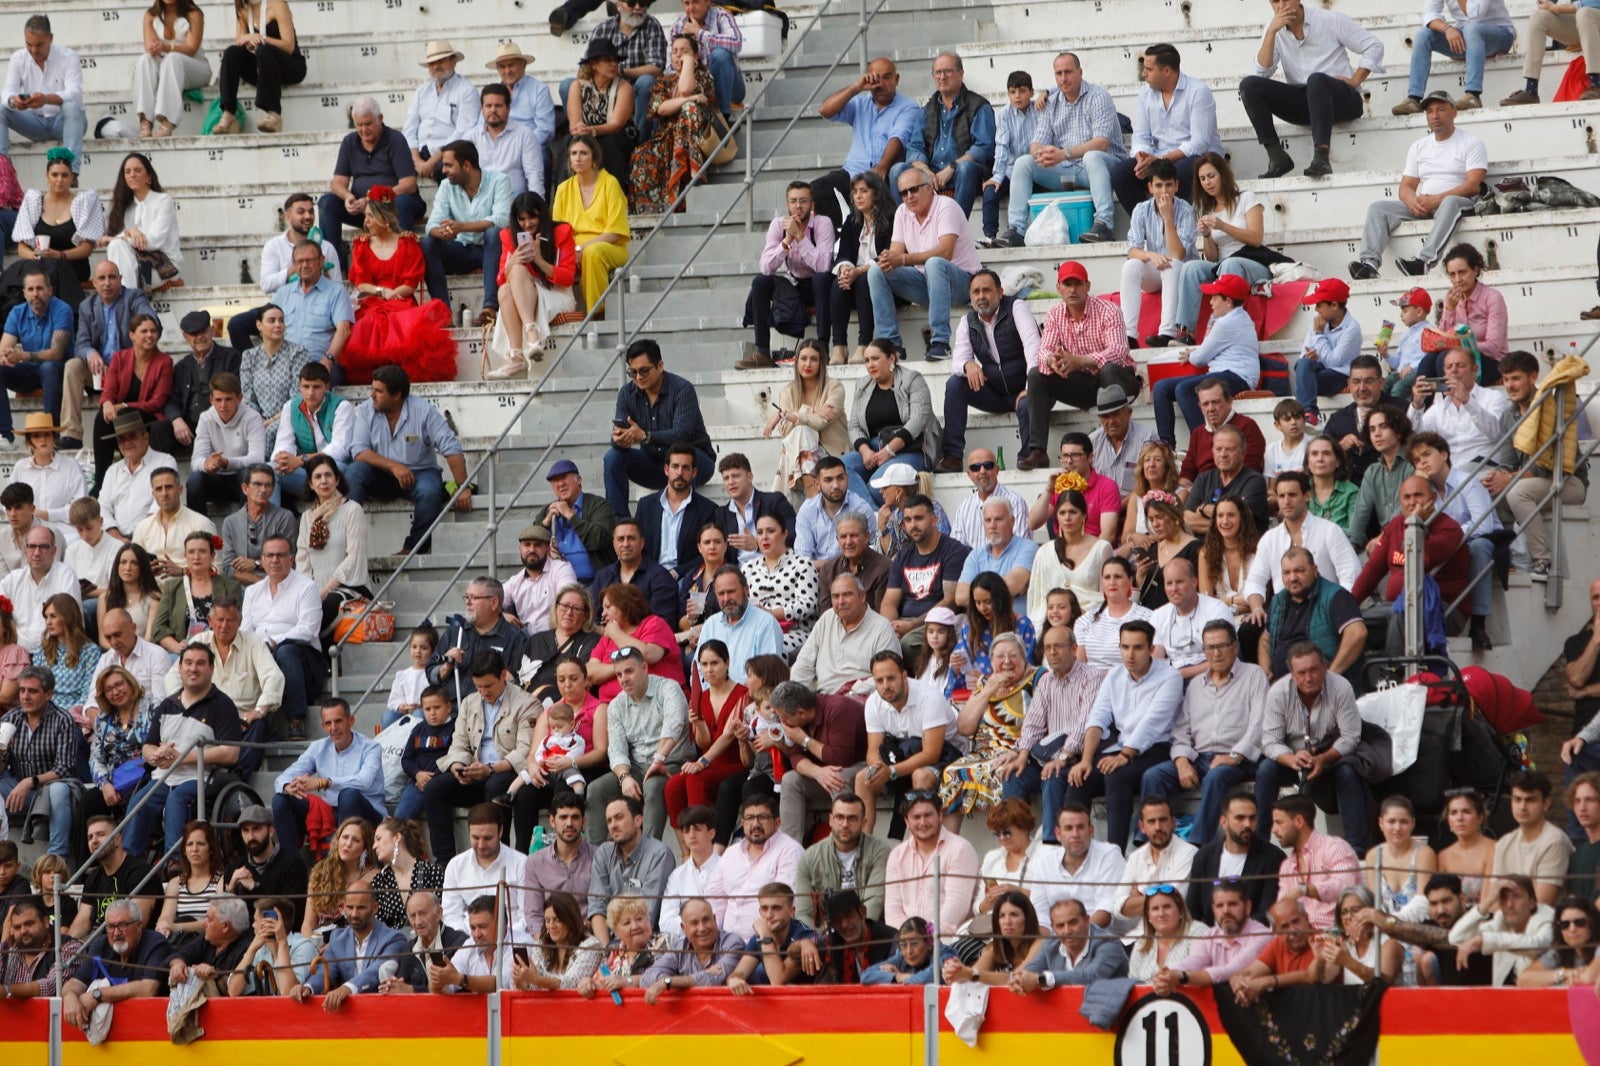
pixel 391 327
pixel 531 297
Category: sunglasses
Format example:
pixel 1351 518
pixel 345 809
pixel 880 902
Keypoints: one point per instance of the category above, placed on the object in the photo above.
pixel 1227 882
pixel 1161 890
pixel 624 654
pixel 921 795
pixel 975 467
pixel 1454 793
pixel 1572 923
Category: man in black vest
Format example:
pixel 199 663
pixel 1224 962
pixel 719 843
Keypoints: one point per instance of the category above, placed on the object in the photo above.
pixel 958 130
pixel 995 345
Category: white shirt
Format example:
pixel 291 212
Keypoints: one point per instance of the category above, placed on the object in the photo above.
pixel 1326 541
pixel 148 663
pixel 1440 166
pixel 277 262
pixel 337 448
pixel 439 115
pixel 1097 884
pixel 1330 37
pixel 925 708
pixel 465 880
pixel 94 563
pixel 62 75
pixel 1022 320
pixel 293 612
pixel 1143 870
pixel 1492 12
pixel 55 487
pixel 164 540
pixel 685 883
pixel 532 598
pixel 472 961
pixel 1179 635
pixel 738 878
pixel 125 496
pixel 1472 428
pixel 1227 244
pixel 28 597
pixel 967 525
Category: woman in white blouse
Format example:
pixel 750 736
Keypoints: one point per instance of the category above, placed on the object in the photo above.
pixel 1005 869
pixel 174 31
pixel 58 227
pixel 1228 221
pixel 864 234
pixel 56 479
pixel 1166 934
pixel 333 540
pixel 143 227
pixel 1070 561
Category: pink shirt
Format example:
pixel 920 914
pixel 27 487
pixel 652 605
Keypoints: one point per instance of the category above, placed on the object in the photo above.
pixel 1222 957
pixel 1330 865
pixel 1103 497
pixel 651 631
pixel 1485 311
pixel 944 218
pixel 737 878
pixel 908 882
pixel 1100 335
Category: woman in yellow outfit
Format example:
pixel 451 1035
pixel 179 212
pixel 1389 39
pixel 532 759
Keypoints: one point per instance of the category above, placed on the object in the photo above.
pixel 593 204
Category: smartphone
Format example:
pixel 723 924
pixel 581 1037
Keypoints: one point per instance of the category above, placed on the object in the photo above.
pixel 270 914
pixel 1437 383
pixel 620 423
pixel 437 958
pixel 524 237
pixel 520 954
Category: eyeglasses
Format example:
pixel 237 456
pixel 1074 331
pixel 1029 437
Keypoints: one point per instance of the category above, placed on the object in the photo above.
pixel 569 606
pixel 1572 923
pixel 470 598
pixel 112 927
pixel 1004 834
pixel 1074 455
pixel 1216 649
pixel 757 818
pixel 1227 882
pixel 975 467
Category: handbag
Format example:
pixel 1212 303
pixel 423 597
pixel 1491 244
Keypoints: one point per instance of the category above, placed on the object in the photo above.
pixel 376 627
pixel 707 141
pixel 127 778
pixel 1260 253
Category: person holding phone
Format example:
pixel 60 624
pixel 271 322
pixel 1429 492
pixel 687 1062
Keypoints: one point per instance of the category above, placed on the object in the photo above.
pixel 277 945
pixel 432 943
pixel 538 266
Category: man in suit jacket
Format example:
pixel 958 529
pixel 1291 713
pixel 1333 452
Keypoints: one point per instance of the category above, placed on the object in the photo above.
pixel 430 940
pixel 464 780
pixel 102 332
pixel 355 954
pixel 747 505
pixel 671 519
pixel 1080 954
pixel 191 384
pixel 1344 426
pixel 1261 860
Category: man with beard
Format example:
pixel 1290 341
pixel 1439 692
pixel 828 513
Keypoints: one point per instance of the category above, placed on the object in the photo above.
pixel 471 208
pixel 746 633
pixel 219 947
pixel 531 592
pixel 579 522
pixel 299 215
pixel 671 519
pixel 829 735
pixel 628 863
pixel 764 855
pixel 31 966
pixel 996 346
pixel 1236 942
pixel 703 957
pixel 125 962
pixel 1285 961
pixel 814 522
pixel 483 965
pixel 634 567
pixel 506 147
pixel 799 252
pixel 1317 867
pixel 983 471
pixel 355 953
pixel 853 941
pixel 925 573
pixel 441 110
pixel 1163 859
pixel 114 874
pixel 1441 960
pixel 1002 552
pixel 1237 855
pixel 563 867
pixel 267 870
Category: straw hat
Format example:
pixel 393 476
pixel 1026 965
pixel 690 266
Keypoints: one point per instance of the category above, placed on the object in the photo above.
pixel 41 422
pixel 438 50
pixel 508 50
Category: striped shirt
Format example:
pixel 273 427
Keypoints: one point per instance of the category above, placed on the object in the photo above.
pixel 1099 635
pixel 1060 708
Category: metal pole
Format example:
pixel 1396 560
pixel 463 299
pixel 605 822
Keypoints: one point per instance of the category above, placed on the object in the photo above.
pixel 494 546
pixel 200 779
pixel 861 24
pixel 333 669
pixel 938 933
pixel 750 177
pixel 1558 477
pixel 1413 587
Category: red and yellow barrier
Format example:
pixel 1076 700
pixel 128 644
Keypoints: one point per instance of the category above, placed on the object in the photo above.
pixel 879 1026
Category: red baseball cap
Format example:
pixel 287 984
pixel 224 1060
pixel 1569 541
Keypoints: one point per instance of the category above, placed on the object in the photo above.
pixel 1331 289
pixel 1072 270
pixel 1417 297
pixel 1232 286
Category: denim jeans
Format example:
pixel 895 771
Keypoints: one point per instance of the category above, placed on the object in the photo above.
pixel 1215 784
pixel 1120 788
pixel 172 807
pixel 1193 273
pixel 1341 787
pixel 291 486
pixel 1051 793
pixel 1312 379
pixel 959 396
pixel 68 125
pixel 991 206
pixel 860 477
pixel 727 78
pixel 26 377
pixel 60 793
pixel 426 494
pixel 289 814
pixel 1483 40
pixel 1092 172
pixel 454 257
pixel 937 286
pixel 1181 390
pixel 302 669
pixel 409 806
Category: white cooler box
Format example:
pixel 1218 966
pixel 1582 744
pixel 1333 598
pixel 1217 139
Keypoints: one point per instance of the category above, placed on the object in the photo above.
pixel 764 34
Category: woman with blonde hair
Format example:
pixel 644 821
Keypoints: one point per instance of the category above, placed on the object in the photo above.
pixel 386 275
pixel 810 419
pixel 571 632
pixel 116 739
pixel 1157 468
pixel 349 862
pixel 69 654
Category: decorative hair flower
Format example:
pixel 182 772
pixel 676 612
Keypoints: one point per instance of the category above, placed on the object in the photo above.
pixel 5 605
pixel 1160 496
pixel 60 154
pixel 216 543
pixel 381 194
pixel 1070 481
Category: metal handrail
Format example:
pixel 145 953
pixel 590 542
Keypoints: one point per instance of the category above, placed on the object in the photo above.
pixel 617 288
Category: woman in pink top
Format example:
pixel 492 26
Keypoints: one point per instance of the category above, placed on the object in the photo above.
pixel 1479 306
pixel 626 622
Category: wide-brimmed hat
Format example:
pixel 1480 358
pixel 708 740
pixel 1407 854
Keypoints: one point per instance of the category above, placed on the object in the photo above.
pixel 601 48
pixel 508 50
pixel 127 422
pixel 39 422
pixel 438 50
pixel 1111 399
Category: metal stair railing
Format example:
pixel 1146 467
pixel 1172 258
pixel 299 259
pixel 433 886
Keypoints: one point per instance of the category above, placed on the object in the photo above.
pixel 615 295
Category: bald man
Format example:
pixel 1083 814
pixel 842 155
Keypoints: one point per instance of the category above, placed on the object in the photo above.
pixel 1442 544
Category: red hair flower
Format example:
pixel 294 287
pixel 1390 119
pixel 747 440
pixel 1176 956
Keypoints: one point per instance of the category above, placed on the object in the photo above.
pixel 216 543
pixel 5 605
pixel 381 194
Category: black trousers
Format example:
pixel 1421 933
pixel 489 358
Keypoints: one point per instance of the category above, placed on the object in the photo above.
pixel 1319 103
pixel 444 795
pixel 813 293
pixel 857 298
pixel 1133 190
pixel 1076 390
pixel 823 198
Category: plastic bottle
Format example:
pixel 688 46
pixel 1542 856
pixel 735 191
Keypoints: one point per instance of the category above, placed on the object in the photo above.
pixel 538 839
pixel 1385 334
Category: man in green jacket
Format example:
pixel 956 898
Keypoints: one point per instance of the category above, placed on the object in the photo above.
pixel 847 858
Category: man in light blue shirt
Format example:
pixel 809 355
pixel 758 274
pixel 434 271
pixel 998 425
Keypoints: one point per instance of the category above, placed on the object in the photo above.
pixel 814 537
pixel 1333 340
pixel 471 208
pixel 1003 553
pixel 35 347
pixel 1161 235
pixel 508 147
pixel 344 768
pixel 745 632
pixel 317 316
pixel 442 109
pixel 1176 119
pixel 1130 729
pixel 396 440
pixel 883 125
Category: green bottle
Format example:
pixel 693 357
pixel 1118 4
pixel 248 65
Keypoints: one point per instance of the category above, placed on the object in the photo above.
pixel 1000 457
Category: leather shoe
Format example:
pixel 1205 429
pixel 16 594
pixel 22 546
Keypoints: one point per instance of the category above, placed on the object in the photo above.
pixel 1033 459
pixel 483 318
pixel 949 464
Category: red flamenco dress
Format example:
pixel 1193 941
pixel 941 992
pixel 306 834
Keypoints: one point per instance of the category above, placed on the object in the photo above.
pixel 415 336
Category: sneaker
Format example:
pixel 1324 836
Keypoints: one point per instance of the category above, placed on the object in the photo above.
pixel 1098 233
pixel 1540 572
pixel 1360 271
pixel 1409 106
pixel 755 359
pixel 1411 268
pixel 1033 459
pixel 938 352
pixel 559 21
pixel 1009 239
pixel 297 729
pixel 1469 102
pixel 949 464
pixel 1313 418
pixel 1520 97
pixel 985 241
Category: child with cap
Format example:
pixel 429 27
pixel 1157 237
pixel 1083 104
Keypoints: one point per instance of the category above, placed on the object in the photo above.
pixel 1228 353
pixel 1404 351
pixel 1332 343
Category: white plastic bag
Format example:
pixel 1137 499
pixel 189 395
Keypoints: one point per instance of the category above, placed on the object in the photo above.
pixel 1049 228
pixel 1019 280
pixel 1398 711
pixel 964 1010
pixel 392 742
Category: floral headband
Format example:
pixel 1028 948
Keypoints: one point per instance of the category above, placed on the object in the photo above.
pixel 381 194
pixel 1070 481
pixel 60 154
pixel 1160 496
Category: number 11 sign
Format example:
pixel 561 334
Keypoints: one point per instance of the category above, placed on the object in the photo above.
pixel 1164 1031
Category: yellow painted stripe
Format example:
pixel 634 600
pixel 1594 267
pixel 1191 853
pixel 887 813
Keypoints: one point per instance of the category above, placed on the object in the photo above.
pixel 733 1049
pixel 1047 1047
pixel 1547 1049
pixel 361 1047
